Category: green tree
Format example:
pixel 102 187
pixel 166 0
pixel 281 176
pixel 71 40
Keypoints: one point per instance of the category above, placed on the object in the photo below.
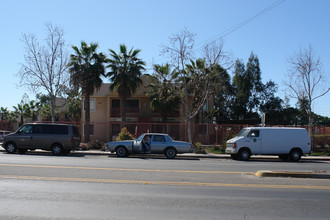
pixel 252 96
pixel 86 68
pixel 22 111
pixel 223 95
pixel 74 104
pixel 125 74
pixel 163 93
pixel 4 113
pixel 34 108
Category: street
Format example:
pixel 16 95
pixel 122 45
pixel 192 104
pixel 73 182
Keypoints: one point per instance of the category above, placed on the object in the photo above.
pixel 102 186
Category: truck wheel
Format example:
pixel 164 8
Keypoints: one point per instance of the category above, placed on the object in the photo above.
pixel 121 151
pixel 57 149
pixel 11 147
pixel 295 154
pixel 170 153
pixel 244 154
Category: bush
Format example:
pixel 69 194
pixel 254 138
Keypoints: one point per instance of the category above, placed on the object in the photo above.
pixel 217 149
pixel 199 148
pixel 85 146
pixel 321 143
pixel 124 135
pixel 96 144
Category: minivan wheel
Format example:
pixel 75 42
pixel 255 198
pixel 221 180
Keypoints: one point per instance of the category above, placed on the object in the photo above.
pixel 11 148
pixel 295 155
pixel 244 154
pixel 57 150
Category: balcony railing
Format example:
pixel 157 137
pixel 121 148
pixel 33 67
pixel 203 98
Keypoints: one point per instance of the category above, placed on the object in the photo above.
pixel 130 112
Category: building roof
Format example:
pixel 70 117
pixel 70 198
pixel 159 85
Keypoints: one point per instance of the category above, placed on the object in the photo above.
pixel 104 90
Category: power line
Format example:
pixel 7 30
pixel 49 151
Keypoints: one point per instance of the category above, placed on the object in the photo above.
pixel 247 21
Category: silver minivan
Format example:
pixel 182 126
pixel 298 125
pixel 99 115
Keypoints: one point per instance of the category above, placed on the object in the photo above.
pixel 58 138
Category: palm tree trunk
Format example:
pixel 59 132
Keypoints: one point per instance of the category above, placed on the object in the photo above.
pixel 87 118
pixel 123 112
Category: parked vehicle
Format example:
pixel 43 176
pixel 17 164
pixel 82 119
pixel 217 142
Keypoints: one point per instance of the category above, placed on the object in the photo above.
pixel 285 142
pixel 3 133
pixel 58 138
pixel 159 144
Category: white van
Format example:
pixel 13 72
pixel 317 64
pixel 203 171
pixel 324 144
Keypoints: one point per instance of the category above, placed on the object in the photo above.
pixel 285 142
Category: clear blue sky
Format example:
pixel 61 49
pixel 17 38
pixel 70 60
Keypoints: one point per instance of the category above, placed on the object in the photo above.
pixel 147 24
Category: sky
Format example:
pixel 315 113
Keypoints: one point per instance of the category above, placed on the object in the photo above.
pixel 148 24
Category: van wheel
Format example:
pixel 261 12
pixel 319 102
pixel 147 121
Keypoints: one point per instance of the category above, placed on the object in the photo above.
pixel 57 149
pixel 295 154
pixel 244 154
pixel 11 148
pixel 121 151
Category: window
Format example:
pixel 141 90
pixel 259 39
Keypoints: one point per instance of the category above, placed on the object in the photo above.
pixel 26 129
pixel 254 133
pixel 159 138
pixel 50 129
pixel 115 108
pixel 132 106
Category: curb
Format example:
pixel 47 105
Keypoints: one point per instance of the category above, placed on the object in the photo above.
pixel 292 174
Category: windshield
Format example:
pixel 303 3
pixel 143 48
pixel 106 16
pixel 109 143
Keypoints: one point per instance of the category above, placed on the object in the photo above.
pixel 242 132
pixel 140 138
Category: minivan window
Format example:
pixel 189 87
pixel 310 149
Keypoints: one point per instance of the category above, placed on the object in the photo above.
pixel 26 129
pixel 50 129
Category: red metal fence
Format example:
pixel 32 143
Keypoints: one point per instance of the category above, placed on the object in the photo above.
pixel 206 134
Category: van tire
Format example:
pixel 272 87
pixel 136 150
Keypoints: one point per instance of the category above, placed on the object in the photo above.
pixel 295 154
pixel 244 154
pixel 11 147
pixel 57 149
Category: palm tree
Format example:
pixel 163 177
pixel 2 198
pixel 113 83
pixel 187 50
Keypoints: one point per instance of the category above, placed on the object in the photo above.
pixel 86 68
pixel 4 113
pixel 162 91
pixel 22 111
pixel 125 74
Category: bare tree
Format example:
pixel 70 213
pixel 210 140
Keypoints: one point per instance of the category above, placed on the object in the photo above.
pixel 180 51
pixel 215 54
pixel 306 80
pixel 45 64
pixel 195 77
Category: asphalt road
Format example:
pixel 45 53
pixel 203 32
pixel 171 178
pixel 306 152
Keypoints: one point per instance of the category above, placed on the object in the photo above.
pixel 41 186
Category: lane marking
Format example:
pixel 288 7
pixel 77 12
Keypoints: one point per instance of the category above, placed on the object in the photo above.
pixel 66 179
pixel 123 169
